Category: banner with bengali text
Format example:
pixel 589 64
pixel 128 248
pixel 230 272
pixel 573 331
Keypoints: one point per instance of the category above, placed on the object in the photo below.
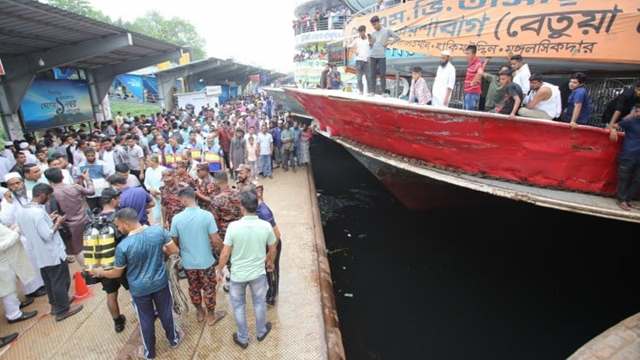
pixel 582 30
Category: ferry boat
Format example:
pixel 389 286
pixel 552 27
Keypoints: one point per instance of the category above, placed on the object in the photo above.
pixel 425 154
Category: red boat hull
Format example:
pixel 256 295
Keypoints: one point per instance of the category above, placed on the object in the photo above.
pixel 529 151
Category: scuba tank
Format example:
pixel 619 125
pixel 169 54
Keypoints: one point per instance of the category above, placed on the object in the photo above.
pixel 99 243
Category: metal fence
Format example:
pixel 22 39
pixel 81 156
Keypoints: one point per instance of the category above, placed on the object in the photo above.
pixel 323 23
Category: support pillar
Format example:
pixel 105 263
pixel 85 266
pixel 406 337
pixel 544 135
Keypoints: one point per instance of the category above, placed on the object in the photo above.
pixel 96 102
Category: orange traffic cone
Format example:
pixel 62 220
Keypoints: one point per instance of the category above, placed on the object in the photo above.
pixel 81 288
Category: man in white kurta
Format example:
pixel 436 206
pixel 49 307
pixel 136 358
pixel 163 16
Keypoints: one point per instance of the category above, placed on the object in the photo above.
pixel 12 200
pixel 444 82
pixel 13 264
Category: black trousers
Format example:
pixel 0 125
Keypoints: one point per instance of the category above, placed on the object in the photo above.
pixel 226 159
pixel 273 278
pixel 377 68
pixel 628 178
pixel 362 67
pixel 57 282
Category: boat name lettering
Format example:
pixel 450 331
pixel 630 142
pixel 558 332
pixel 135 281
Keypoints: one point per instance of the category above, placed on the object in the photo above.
pixel 452 27
pixel 559 24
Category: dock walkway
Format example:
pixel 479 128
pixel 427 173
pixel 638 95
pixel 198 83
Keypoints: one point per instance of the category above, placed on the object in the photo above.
pixel 299 316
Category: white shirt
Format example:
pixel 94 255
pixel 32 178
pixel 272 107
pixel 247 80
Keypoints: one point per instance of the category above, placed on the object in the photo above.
pixel 553 105
pixel 8 154
pixel 5 166
pixel 31 159
pixel 136 155
pixel 109 162
pixel 362 48
pixel 521 77
pixel 445 79
pixel 132 181
pixel 265 141
pixel 36 225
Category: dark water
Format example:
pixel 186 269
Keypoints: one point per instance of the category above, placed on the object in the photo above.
pixel 496 280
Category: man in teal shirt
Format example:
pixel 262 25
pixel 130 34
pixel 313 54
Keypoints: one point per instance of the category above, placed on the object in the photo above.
pixel 195 233
pixel 246 242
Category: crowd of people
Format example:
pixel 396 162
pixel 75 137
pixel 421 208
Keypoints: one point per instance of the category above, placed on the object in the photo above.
pixel 321 19
pixel 310 54
pixel 169 183
pixel 513 91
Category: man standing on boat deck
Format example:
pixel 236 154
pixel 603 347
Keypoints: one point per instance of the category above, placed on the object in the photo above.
pixel 513 95
pixel 495 92
pixel 472 87
pixel 629 158
pixel 378 42
pixel 419 91
pixel 361 43
pixel 621 105
pixel 521 72
pixel 543 101
pixel 578 110
pixel 444 82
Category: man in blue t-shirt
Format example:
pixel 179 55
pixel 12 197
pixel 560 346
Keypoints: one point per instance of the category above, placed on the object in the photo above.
pixel 195 236
pixel 141 254
pixel 629 158
pixel 578 110
pixel 135 198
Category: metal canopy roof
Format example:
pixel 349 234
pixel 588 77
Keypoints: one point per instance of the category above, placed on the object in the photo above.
pixel 219 69
pixel 29 27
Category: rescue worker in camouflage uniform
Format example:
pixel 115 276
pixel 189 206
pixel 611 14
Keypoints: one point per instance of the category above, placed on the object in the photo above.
pixel 226 208
pixel 182 175
pixel 206 188
pixel 243 176
pixel 170 202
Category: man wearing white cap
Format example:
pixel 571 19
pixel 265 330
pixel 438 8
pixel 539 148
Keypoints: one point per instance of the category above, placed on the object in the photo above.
pixel 444 82
pixel 14 199
pixel 24 148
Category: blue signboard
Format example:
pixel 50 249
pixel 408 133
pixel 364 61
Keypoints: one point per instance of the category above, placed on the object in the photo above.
pixel 64 73
pixel 134 85
pixel 51 103
pixel 151 85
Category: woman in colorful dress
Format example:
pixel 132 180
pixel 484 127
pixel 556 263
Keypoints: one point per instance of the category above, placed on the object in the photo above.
pixel 305 141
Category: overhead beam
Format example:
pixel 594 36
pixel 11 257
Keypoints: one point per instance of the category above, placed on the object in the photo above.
pixel 35 62
pixel 143 62
pixel 194 68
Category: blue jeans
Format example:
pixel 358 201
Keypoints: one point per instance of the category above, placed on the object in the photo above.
pixel 471 101
pixel 237 296
pixel 146 306
pixel 265 165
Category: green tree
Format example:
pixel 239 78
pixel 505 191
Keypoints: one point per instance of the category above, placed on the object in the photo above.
pixel 80 7
pixel 174 30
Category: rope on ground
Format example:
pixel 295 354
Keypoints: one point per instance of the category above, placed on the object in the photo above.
pixel 180 300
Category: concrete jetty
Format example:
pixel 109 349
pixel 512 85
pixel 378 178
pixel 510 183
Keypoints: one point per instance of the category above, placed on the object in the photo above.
pixel 304 318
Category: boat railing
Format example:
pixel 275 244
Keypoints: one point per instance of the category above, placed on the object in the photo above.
pixel 601 91
pixel 375 8
pixel 335 22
